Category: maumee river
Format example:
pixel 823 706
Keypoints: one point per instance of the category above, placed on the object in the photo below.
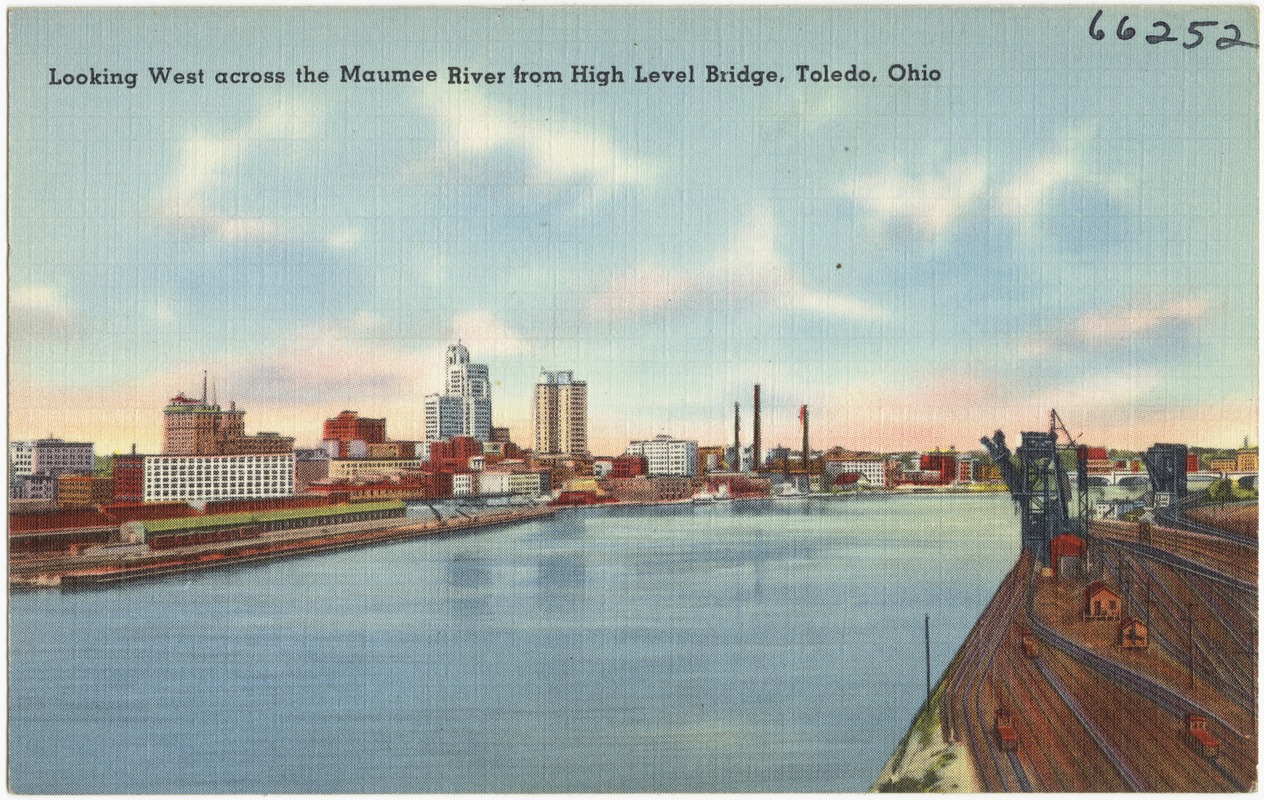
pixel 738 647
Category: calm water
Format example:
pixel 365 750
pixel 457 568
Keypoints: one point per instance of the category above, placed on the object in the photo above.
pixel 731 648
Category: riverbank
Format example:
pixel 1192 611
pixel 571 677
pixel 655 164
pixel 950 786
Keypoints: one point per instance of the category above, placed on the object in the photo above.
pixel 934 755
pixel 924 761
pixel 105 565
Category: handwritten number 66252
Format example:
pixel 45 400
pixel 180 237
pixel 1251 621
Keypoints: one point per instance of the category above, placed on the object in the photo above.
pixel 1124 32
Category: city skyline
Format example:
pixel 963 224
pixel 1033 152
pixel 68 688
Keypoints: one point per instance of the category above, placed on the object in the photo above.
pixel 919 265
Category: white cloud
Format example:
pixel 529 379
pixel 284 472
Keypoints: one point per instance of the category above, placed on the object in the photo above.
pixel 644 288
pixel 162 311
pixel 748 268
pixel 344 239
pixel 40 311
pixel 1025 196
pixel 930 204
pixel 483 333
pixel 557 152
pixel 1122 322
pixel 1106 325
pixel 208 164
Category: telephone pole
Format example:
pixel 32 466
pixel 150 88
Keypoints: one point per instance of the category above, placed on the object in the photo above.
pixel 1190 639
pixel 928 659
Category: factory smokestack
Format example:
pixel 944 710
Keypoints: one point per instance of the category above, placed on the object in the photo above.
pixel 736 466
pixel 755 462
pixel 803 417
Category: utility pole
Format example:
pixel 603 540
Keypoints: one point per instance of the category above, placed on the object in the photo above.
pixel 1254 678
pixel 928 659
pixel 1190 638
pixel 1147 603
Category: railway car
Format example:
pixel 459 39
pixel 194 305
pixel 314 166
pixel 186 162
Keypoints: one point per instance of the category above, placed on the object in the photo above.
pixel 1199 738
pixel 1029 646
pixel 1006 739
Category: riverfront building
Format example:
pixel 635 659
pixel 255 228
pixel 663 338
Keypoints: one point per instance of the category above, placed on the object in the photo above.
pixel 84 490
pixel 561 415
pixel 873 470
pixel 465 408
pixel 34 467
pixel 530 483
pixel 57 457
pixel 666 456
pixel 198 478
pixel 350 427
pixel 194 427
pixel 129 477
pixel 359 467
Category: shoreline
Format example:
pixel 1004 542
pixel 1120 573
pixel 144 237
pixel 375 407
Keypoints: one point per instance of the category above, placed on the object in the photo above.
pixel 98 566
pixel 96 569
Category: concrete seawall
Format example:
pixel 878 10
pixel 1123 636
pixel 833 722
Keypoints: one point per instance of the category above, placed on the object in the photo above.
pixel 96 569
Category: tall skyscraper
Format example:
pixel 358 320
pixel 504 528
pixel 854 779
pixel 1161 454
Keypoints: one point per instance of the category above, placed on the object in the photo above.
pixel 561 415
pixel 465 407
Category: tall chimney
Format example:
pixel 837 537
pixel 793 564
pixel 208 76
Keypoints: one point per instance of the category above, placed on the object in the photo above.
pixel 755 462
pixel 803 415
pixel 203 387
pixel 736 466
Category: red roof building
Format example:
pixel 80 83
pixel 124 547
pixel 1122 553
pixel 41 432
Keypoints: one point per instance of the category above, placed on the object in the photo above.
pixel 1100 602
pixel 454 454
pixel 1066 554
pixel 349 426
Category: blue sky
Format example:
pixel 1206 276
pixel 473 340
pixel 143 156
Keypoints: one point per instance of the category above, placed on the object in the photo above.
pixel 1056 222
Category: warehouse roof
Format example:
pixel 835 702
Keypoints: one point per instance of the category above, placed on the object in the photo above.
pixel 250 517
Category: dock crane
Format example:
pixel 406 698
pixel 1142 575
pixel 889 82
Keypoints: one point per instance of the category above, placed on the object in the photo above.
pixel 1040 486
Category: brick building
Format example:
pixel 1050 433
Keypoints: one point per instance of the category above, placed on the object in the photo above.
pixel 194 427
pixel 349 426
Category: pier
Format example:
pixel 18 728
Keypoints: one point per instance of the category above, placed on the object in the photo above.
pixel 99 566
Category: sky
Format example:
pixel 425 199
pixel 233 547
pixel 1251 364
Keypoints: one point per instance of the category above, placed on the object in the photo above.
pixel 1056 222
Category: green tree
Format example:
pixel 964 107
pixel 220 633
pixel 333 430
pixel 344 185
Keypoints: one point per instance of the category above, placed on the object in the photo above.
pixel 1220 491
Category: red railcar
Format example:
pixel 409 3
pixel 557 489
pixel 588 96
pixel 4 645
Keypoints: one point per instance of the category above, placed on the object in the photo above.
pixel 1006 739
pixel 1199 738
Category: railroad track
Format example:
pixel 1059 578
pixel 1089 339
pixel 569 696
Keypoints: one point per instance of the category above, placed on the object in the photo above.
pixel 965 717
pixel 1103 742
pixel 1169 629
pixel 1167 699
pixel 1218 561
pixel 1185 523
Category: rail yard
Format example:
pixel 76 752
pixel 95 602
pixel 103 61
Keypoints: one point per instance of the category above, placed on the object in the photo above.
pixel 1115 656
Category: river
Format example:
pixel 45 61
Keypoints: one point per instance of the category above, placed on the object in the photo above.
pixel 739 647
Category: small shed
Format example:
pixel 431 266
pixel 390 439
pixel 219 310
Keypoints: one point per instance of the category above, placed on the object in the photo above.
pixel 1100 603
pixel 1066 555
pixel 1133 635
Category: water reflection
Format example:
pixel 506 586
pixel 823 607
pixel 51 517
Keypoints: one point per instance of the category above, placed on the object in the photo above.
pixel 468 570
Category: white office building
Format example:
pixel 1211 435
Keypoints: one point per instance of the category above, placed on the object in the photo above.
pixel 667 456
pixel 20 454
pixel 465 407
pixel 872 469
pixel 57 457
pixel 531 483
pixel 201 478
